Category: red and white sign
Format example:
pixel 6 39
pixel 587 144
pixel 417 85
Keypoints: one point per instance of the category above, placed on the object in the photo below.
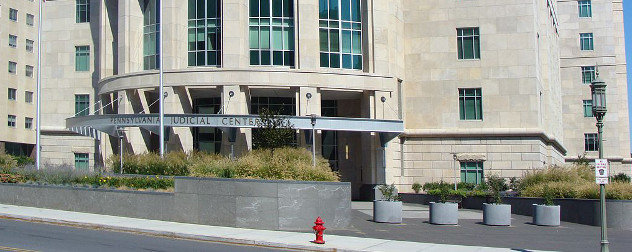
pixel 601 171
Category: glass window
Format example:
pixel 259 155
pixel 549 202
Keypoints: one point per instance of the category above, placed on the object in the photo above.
pixel 472 172
pixel 206 139
pixel 151 29
pixel 82 105
pixel 329 138
pixel 82 58
pixel 340 33
pixel 13 67
pixel 586 41
pixel 468 43
pixel 470 104
pixel 82 161
pixel 204 36
pixel 29 19
pixel 28 71
pixel 13 15
pixel 585 8
pixel 28 96
pixel 28 123
pixel 11 121
pixel 13 93
pixel 13 41
pixel 271 31
pixel 588 74
pixel 591 142
pixel 588 108
pixel 29 45
pixel 82 11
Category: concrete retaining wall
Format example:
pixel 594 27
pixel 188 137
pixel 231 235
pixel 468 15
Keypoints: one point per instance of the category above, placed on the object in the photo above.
pixel 582 211
pixel 260 204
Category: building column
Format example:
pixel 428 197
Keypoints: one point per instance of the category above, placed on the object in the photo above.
pixel 307 107
pixel 235 102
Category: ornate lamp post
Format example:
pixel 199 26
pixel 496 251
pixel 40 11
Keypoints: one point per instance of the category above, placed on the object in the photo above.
pixel 598 91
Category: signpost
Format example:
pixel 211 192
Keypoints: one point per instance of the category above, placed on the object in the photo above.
pixel 601 171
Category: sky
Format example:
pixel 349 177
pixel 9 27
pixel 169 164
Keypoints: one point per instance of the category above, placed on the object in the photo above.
pixel 627 22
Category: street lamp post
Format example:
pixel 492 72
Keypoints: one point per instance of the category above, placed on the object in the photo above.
pixel 598 91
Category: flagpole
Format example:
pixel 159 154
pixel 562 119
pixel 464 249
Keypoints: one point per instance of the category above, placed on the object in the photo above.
pixel 38 117
pixel 161 89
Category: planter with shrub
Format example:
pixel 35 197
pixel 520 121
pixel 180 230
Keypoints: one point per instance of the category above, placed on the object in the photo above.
pixel 547 214
pixel 497 213
pixel 444 212
pixel 416 187
pixel 389 208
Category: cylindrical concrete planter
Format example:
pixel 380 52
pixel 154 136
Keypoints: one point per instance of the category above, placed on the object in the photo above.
pixel 444 213
pixel 387 211
pixel 497 214
pixel 546 215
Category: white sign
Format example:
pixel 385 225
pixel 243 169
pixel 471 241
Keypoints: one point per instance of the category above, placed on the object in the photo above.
pixel 601 171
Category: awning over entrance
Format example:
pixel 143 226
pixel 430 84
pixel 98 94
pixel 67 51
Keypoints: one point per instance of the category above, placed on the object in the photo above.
pixel 109 124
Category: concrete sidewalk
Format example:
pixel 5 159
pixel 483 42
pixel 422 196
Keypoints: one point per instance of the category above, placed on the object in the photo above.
pixel 279 239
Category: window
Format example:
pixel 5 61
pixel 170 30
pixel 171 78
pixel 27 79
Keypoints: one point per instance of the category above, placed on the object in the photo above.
pixel 82 105
pixel 28 96
pixel 591 142
pixel 588 74
pixel 468 43
pixel 204 32
pixel 272 32
pixel 28 123
pixel 329 138
pixel 207 139
pixel 13 15
pixel 340 33
pixel 13 67
pixel 12 94
pixel 470 104
pixel 28 72
pixel 29 45
pixel 29 19
pixel 82 161
pixel 13 41
pixel 585 9
pixel 472 172
pixel 586 41
pixel 151 46
pixel 588 108
pixel 82 58
pixel 282 105
pixel 11 121
pixel 82 11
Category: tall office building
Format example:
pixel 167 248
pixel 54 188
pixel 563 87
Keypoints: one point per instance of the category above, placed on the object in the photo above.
pixel 477 87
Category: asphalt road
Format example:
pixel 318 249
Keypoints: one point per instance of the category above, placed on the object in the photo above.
pixel 25 236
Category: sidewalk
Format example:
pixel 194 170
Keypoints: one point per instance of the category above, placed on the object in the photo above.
pixel 279 239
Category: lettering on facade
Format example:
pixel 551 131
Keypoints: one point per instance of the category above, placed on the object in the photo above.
pixel 188 121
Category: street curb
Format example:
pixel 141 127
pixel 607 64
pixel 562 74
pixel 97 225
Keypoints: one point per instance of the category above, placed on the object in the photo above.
pixel 176 235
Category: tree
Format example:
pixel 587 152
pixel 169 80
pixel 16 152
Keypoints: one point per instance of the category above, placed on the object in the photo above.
pixel 274 130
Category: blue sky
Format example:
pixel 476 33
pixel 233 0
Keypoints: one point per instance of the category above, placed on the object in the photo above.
pixel 627 19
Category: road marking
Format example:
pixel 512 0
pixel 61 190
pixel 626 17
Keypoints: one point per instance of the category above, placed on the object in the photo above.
pixel 2 248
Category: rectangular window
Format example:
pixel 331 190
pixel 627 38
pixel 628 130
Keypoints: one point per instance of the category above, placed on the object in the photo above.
pixel 28 123
pixel 472 172
pixel 591 142
pixel 11 121
pixel 13 15
pixel 29 19
pixel 13 41
pixel 588 74
pixel 82 105
pixel 82 161
pixel 470 104
pixel 329 138
pixel 468 43
pixel 585 8
pixel 586 41
pixel 13 93
pixel 82 58
pixel 29 45
pixel 588 108
pixel 82 11
pixel 204 38
pixel 151 33
pixel 271 31
pixel 13 67
pixel 340 33
pixel 28 71
pixel 28 96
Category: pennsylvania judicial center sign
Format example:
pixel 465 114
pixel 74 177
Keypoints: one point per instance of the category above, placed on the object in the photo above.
pixel 188 121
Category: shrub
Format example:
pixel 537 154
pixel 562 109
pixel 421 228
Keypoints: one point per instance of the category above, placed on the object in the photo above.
pixel 416 187
pixel 11 178
pixel 7 162
pixel 573 174
pixel 173 164
pixel 496 184
pixel 441 184
pixel 445 194
pixel 621 178
pixel 23 160
pixel 388 192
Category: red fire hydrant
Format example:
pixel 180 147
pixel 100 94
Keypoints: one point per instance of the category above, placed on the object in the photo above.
pixel 318 229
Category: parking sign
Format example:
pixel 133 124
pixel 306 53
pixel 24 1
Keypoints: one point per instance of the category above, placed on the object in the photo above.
pixel 601 171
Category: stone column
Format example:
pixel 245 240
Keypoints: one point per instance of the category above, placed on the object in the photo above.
pixel 307 36
pixel 235 102
pixel 130 36
pixel 235 35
